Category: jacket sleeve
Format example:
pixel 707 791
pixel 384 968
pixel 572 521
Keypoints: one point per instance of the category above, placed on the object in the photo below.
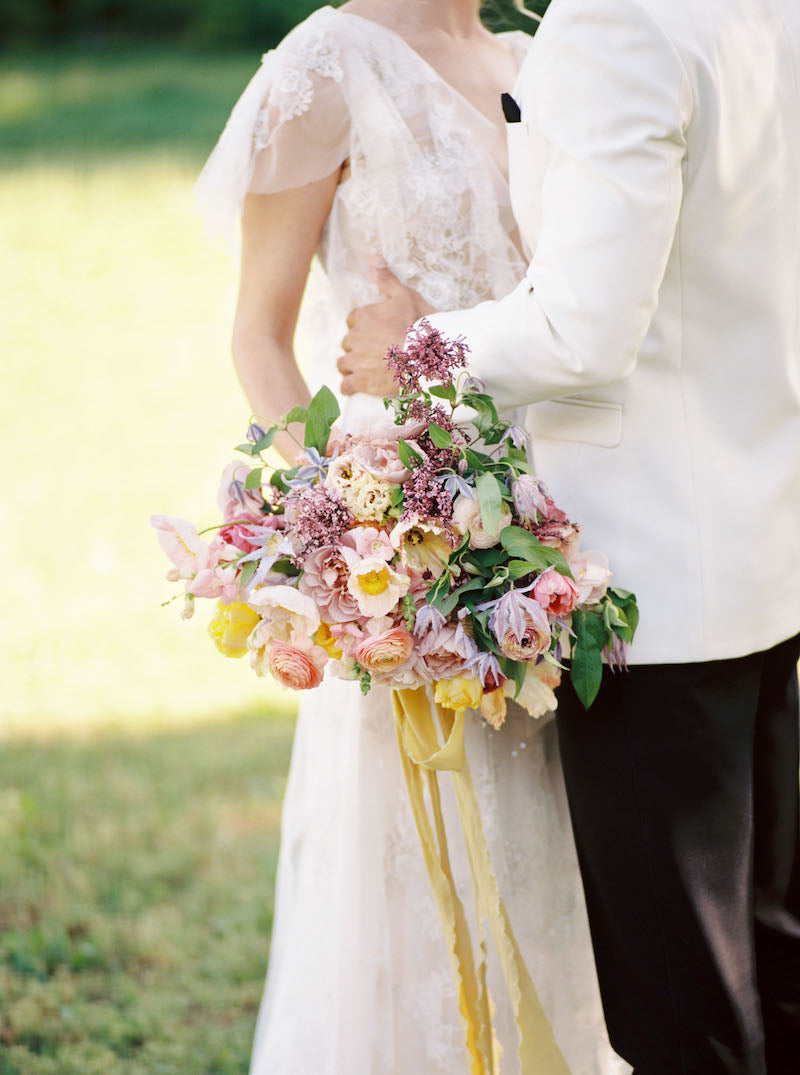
pixel 606 96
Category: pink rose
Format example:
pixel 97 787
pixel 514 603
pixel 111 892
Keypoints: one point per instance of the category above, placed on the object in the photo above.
pixel 385 652
pixel 556 594
pixel 292 667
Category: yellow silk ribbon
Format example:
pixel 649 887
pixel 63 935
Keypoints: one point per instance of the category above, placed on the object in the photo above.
pixel 423 755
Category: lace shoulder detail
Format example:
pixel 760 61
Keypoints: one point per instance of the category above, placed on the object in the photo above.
pixel 311 49
pixel 290 127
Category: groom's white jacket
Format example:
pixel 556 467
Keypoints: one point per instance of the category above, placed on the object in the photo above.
pixel 656 180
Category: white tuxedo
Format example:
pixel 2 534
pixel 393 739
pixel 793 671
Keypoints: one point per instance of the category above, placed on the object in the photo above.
pixel 656 179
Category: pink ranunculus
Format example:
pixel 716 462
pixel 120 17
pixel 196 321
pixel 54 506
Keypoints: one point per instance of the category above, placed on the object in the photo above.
pixel 294 667
pixel 592 575
pixel 324 579
pixel 385 652
pixel 557 594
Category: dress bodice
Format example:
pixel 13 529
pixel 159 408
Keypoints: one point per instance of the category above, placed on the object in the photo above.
pixel 424 182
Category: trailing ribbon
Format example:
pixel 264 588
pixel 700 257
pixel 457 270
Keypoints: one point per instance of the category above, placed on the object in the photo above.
pixel 423 755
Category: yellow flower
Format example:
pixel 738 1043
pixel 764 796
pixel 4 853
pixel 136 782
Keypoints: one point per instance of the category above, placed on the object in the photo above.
pixel 230 628
pixel 324 638
pixel 462 692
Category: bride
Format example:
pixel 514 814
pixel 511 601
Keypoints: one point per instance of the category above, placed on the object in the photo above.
pixel 374 132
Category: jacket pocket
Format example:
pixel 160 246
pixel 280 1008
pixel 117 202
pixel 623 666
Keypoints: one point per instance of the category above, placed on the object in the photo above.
pixel 580 420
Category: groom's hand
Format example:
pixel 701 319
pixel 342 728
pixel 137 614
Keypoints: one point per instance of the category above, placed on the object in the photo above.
pixel 373 330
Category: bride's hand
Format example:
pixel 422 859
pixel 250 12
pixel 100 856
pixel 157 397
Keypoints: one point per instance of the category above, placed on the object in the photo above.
pixel 373 330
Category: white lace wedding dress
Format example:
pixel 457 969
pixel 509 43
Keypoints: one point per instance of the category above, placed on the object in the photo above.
pixel 359 978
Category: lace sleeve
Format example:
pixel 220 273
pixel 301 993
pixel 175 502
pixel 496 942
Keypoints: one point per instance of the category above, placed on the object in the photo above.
pixel 290 127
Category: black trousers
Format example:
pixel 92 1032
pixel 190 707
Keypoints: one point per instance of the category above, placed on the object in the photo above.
pixel 683 787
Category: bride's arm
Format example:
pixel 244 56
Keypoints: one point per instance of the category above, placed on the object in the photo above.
pixel 280 233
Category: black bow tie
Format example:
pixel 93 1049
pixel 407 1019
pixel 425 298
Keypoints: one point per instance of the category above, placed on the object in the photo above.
pixel 511 109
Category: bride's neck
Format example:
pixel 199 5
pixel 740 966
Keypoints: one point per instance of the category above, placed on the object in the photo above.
pixel 457 18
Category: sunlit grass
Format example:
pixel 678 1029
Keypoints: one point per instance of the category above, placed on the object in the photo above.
pixel 120 401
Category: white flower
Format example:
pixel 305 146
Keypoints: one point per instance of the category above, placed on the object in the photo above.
pixel 368 497
pixel 535 697
pixel 422 545
pixel 284 609
pixel 376 586
pixel 467 519
pixel 592 576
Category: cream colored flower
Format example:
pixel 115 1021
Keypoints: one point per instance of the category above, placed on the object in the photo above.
pixel 283 610
pixel 467 519
pixel 368 497
pixel 423 546
pixel 536 696
pixel 376 586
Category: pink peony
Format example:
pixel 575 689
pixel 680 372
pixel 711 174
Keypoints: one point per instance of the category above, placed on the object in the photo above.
pixel 556 594
pixel 294 667
pixel 324 580
pixel 385 652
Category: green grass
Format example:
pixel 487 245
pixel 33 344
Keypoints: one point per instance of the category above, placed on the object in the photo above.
pixel 140 772
pixel 136 899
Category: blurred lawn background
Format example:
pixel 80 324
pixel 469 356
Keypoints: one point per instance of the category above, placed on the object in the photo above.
pixel 140 773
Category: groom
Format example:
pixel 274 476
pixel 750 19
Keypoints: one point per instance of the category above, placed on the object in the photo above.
pixel 655 172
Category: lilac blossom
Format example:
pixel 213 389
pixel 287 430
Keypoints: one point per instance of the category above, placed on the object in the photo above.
pixel 255 432
pixel 454 484
pixel 320 518
pixel 517 435
pixel 427 356
pixel 487 668
pixel 530 497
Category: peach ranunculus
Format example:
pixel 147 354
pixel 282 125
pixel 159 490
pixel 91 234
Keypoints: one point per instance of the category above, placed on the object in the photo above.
pixel 284 610
pixel 556 593
pixel 467 519
pixel 592 576
pixel 296 667
pixel 493 707
pixel 385 652
pixel 462 692
pixel 423 545
pixel 231 626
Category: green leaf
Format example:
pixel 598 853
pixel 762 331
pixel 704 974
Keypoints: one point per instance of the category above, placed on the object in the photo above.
pixel 409 457
pixel 483 636
pixel 253 479
pixel 456 598
pixel 625 602
pixel 247 572
pixel 286 567
pixel 586 666
pixel 523 546
pixel 266 441
pixel 396 496
pixel 323 410
pixel 441 438
pixel 514 670
pixel 443 391
pixel 296 414
pixel 490 501
pixel 476 460
pixel 246 449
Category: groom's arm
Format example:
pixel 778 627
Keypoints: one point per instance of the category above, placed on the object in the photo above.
pixel 607 89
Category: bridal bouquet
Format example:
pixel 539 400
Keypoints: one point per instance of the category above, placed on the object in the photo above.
pixel 420 551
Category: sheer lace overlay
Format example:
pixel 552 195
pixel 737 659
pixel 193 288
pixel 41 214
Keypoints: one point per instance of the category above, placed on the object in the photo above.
pixel 359 981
